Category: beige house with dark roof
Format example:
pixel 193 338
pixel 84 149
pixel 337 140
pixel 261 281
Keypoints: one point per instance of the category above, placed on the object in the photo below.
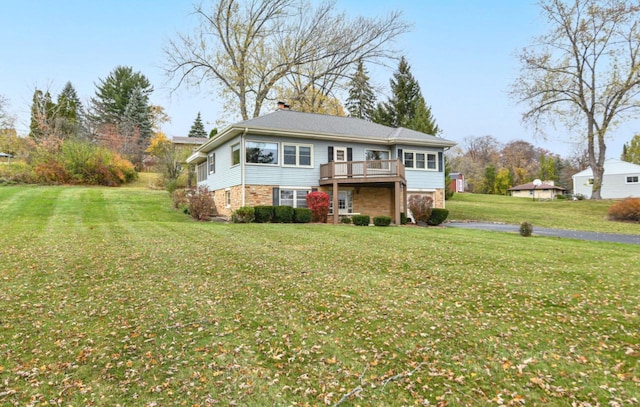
pixel 545 190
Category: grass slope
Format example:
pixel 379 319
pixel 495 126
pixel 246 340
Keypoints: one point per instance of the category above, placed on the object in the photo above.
pixel 562 214
pixel 109 297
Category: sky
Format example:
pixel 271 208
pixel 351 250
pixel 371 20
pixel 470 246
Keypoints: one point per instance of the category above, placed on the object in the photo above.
pixel 462 52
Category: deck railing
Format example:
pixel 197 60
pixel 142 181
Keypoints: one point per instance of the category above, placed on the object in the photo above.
pixel 362 169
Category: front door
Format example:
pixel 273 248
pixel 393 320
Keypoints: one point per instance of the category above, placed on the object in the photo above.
pixel 340 159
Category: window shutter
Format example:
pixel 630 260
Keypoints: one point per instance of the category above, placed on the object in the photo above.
pixel 276 196
pixel 349 154
pixel 330 153
pixel 440 162
pixel 400 157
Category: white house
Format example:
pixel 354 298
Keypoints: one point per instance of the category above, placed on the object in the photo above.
pixel 621 180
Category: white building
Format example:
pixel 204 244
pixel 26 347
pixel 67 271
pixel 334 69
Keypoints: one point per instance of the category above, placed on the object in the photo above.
pixel 621 180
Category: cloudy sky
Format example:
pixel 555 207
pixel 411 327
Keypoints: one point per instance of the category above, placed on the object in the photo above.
pixel 461 52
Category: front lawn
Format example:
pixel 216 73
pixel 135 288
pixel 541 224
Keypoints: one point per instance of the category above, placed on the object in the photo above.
pixel 109 297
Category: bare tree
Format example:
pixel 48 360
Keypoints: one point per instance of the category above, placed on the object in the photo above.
pixel 585 72
pixel 248 48
pixel 6 119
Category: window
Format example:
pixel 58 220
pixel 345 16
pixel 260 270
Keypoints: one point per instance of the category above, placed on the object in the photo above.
pixel 371 155
pixel 421 160
pixel 211 160
pixel 261 153
pixel 227 197
pixel 297 155
pixel 345 202
pixel 296 198
pixel 235 154
pixel 632 179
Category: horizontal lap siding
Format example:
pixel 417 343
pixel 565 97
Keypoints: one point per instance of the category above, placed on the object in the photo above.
pixel 225 176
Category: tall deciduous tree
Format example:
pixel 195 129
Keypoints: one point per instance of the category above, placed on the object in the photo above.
pixel 6 119
pixel 362 99
pixel 42 123
pixel 406 106
pixel 197 128
pixel 631 150
pixel 246 49
pixel 584 73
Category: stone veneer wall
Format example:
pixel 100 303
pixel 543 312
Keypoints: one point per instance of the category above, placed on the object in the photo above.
pixel 254 195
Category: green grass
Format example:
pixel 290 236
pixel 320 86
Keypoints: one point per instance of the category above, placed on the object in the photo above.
pixel 109 297
pixel 562 214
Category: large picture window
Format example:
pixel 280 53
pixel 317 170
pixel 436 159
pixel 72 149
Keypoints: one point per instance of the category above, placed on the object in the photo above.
pixel 371 155
pixel 297 155
pixel 261 153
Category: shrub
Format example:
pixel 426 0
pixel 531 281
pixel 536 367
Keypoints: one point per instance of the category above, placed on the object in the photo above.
pixel 403 218
pixel 179 197
pixel 302 215
pixel 346 220
pixel 382 220
pixel 244 214
pixel 361 220
pixel 263 213
pixel 526 229
pixel 420 207
pixel 628 210
pixel 318 202
pixel 283 214
pixel 438 215
pixel 201 204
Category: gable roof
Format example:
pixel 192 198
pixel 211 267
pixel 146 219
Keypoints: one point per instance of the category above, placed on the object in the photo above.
pixel 289 123
pixel 189 140
pixel 529 186
pixel 612 167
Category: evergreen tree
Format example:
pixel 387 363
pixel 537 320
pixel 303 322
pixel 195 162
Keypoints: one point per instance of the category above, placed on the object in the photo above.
pixel 361 101
pixel 631 150
pixel 197 129
pixel 406 107
pixel 113 95
pixel 69 112
pixel 136 115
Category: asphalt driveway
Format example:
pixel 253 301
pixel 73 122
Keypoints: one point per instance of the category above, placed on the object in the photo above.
pixel 570 234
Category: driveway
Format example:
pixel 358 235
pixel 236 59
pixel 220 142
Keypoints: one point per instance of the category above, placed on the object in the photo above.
pixel 570 234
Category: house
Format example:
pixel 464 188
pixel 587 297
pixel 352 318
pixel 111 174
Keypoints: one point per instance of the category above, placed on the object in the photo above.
pixel 190 142
pixel 621 179
pixel 456 180
pixel 537 190
pixel 278 158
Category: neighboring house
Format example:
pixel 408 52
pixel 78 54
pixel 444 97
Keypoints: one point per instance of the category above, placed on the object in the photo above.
pixel 620 180
pixel 192 142
pixel 545 190
pixel 278 158
pixel 456 180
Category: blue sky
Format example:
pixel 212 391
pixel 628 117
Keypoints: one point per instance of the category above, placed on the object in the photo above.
pixel 461 52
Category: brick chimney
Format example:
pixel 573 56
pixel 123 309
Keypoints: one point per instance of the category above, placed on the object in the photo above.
pixel 283 106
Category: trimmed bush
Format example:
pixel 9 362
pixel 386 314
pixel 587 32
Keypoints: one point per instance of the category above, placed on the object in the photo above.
pixel 263 213
pixel 302 215
pixel 526 229
pixel 319 203
pixel 361 220
pixel 282 214
pixel 244 214
pixel 438 215
pixel 201 204
pixel 420 207
pixel 382 220
pixel 626 210
pixel 403 218
pixel 346 220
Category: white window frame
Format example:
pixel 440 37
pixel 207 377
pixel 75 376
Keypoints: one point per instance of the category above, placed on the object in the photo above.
pixel 630 179
pixel 296 192
pixel 414 160
pixel 277 150
pixel 211 163
pixel 297 147
pixel 233 149
pixel 227 197
pixel 348 210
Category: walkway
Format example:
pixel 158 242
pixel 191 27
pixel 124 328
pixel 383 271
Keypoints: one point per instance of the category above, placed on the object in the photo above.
pixel 571 234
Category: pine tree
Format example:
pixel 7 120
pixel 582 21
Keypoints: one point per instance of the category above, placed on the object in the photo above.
pixel 197 129
pixel 406 107
pixel 136 115
pixel 69 112
pixel 361 101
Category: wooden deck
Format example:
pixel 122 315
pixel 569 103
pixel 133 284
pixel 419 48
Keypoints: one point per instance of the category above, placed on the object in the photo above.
pixel 352 172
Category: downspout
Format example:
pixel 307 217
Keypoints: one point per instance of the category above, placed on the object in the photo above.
pixel 242 160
